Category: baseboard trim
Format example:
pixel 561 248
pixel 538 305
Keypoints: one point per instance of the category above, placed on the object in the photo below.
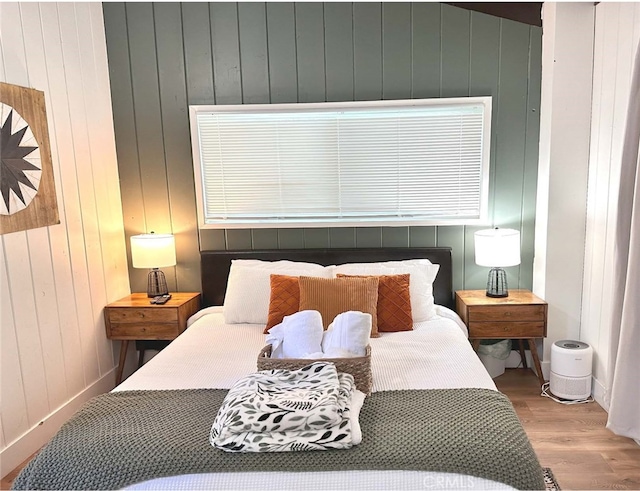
pixel 598 390
pixel 514 361
pixel 30 442
pixel 546 369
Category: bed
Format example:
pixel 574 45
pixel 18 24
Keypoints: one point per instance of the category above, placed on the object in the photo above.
pixel 425 369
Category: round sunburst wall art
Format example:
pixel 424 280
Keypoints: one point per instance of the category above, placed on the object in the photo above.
pixel 27 189
pixel 20 169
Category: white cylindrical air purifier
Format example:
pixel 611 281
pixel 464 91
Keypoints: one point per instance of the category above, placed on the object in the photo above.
pixel 571 369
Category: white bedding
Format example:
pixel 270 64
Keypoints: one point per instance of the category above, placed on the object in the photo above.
pixel 211 354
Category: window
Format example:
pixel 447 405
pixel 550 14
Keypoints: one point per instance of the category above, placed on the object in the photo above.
pixel 413 162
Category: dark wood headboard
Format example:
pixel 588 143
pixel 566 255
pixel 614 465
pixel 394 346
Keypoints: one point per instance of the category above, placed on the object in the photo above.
pixel 216 264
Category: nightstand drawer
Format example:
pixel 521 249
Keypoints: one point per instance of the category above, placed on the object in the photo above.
pixel 487 330
pixel 149 314
pixel 507 313
pixel 144 331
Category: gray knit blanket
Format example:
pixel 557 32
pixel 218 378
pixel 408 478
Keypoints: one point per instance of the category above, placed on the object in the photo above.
pixel 121 438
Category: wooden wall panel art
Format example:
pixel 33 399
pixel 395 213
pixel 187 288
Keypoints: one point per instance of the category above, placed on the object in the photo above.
pixel 27 189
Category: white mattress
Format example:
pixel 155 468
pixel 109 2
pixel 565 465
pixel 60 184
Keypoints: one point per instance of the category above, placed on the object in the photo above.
pixel 211 354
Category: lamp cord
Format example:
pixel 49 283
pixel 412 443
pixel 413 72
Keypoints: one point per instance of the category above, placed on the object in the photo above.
pixel 545 393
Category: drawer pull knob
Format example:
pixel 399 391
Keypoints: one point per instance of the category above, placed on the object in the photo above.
pixel 507 314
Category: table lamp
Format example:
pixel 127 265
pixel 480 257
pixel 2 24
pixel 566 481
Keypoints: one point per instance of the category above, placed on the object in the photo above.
pixel 497 248
pixel 154 251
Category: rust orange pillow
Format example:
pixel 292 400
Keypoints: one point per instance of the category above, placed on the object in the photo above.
pixel 394 302
pixel 284 299
pixel 333 296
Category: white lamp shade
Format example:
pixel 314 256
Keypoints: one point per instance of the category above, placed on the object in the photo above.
pixel 153 250
pixel 497 248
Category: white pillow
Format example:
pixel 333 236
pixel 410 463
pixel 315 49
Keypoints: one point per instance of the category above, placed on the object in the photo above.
pixel 249 287
pixel 422 274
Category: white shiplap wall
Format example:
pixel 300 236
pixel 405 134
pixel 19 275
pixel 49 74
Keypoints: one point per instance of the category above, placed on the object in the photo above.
pixel 565 113
pixel 56 280
pixel 617 33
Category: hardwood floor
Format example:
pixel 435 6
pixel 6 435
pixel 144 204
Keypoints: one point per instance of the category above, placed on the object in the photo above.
pixel 9 478
pixel 571 440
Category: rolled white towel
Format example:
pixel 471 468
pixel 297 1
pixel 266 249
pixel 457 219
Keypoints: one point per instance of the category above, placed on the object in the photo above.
pixel 314 356
pixel 337 353
pixel 302 335
pixel 347 335
pixel 275 337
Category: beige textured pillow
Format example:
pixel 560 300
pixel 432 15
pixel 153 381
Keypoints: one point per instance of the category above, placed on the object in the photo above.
pixel 334 296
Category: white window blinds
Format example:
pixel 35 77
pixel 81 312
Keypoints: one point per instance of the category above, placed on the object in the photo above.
pixel 383 162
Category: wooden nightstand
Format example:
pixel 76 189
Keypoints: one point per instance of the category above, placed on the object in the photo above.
pixel 134 318
pixel 520 316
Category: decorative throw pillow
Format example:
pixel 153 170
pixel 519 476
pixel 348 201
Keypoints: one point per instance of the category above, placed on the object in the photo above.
pixel 284 299
pixel 422 271
pixel 334 296
pixel 394 302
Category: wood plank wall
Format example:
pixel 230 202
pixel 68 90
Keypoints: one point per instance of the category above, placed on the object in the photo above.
pixel 165 56
pixel 54 281
pixel 617 35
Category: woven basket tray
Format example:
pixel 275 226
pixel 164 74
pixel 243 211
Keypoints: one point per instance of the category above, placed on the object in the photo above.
pixel 358 366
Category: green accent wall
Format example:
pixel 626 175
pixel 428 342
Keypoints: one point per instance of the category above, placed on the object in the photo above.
pixel 165 56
